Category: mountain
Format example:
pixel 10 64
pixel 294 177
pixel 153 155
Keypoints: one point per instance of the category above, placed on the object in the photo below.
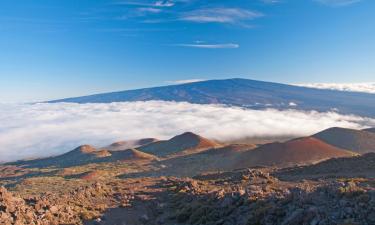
pixel 294 152
pixel 245 93
pixel 211 160
pixel 185 142
pixel 229 150
pixel 359 141
pixel 122 145
pixel 83 155
pixel 300 151
pixel 132 154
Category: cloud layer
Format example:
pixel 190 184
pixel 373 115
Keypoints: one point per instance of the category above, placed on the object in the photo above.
pixel 49 129
pixel 355 87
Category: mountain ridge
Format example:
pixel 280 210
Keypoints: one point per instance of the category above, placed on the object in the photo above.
pixel 187 141
pixel 245 93
pixel 301 150
pixel 359 141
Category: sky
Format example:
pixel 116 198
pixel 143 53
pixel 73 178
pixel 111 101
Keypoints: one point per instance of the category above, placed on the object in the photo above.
pixel 53 49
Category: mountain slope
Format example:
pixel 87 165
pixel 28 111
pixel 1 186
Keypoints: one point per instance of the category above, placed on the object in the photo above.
pixel 211 160
pixel 185 142
pixel 372 130
pixel 132 154
pixel 247 93
pixel 81 155
pixel 354 140
pixel 84 155
pixel 122 145
pixel 359 166
pixel 294 152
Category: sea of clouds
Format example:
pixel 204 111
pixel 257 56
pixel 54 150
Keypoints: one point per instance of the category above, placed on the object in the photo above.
pixel 39 130
pixel 354 87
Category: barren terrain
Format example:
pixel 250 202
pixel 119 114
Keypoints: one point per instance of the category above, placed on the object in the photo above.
pixel 193 180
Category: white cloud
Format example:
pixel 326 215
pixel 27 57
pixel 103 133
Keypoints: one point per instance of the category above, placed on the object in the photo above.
pixel 219 15
pixel 293 104
pixel 198 14
pixel 145 7
pixel 337 3
pixel 270 1
pixel 149 10
pixel 49 129
pixel 184 81
pixel 355 87
pixel 164 3
pixel 210 46
pixel 161 3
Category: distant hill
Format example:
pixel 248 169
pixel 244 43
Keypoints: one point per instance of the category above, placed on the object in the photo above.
pixel 298 151
pixel 359 141
pixel 83 155
pixel 188 154
pixel 210 160
pixel 229 150
pixel 245 93
pixel 185 142
pixel 132 154
pixel 122 145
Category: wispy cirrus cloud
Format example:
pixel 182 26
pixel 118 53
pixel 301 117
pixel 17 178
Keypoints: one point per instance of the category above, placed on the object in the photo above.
pixel 143 8
pixel 164 3
pixel 271 1
pixel 210 46
pixel 149 10
pixel 189 11
pixel 219 15
pixel 160 3
pixel 338 3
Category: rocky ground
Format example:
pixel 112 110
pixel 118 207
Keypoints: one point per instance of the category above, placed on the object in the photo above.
pixel 254 197
pixel 249 196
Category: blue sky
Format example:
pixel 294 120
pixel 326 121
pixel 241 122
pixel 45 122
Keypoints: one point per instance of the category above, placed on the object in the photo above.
pixel 52 49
